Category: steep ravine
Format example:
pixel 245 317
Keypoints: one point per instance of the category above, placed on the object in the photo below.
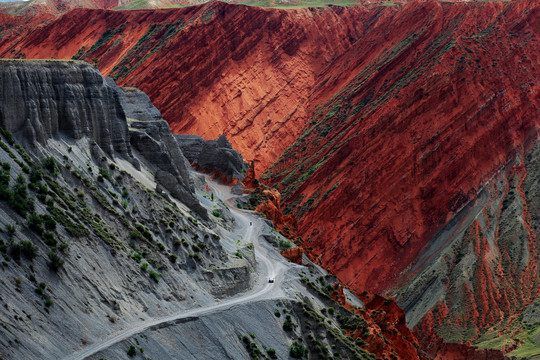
pixel 104 257
pixel 414 116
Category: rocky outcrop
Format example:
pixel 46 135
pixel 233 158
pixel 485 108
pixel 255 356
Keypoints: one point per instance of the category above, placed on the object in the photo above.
pixel 213 155
pixel 41 99
pixel 152 137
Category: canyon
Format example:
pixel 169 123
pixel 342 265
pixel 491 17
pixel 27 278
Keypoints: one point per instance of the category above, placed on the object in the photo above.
pixel 402 139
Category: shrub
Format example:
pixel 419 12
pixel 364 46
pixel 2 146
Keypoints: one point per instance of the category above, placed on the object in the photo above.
pixel 132 351
pixel 7 135
pixel 35 175
pixel 239 254
pixel 297 351
pixel 144 266
pixel 11 230
pixel 34 222
pixel 137 256
pixel 331 310
pixel 125 193
pixel 49 163
pixel 4 175
pixel 216 213
pixel 49 222
pixel 48 302
pixel 196 248
pixel 288 325
pixel 28 249
pixel 173 258
pixel 285 244
pixel 50 239
pixel 154 275
pixel 105 173
pixel 352 322
pixel 196 256
pixel 271 353
pixel 55 262
pixel 18 198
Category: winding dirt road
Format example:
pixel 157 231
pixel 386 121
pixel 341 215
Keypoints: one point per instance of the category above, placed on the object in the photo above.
pixel 268 266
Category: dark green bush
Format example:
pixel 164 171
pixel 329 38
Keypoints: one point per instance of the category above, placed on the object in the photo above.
pixel 297 351
pixel 49 239
pixel 49 163
pixel 271 353
pixel 8 136
pixel 35 175
pixel 331 310
pixel 55 262
pixel 28 249
pixel 25 248
pixel 48 302
pixel 137 256
pixel 132 351
pixel 35 223
pixel 288 325
pixel 352 322
pixel 154 275
pixel 105 173
pixel 49 222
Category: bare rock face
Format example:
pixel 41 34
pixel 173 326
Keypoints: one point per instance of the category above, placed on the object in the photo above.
pixel 213 154
pixel 152 137
pixel 41 99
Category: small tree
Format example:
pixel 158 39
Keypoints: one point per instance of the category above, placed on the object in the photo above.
pixel 132 351
pixel 297 351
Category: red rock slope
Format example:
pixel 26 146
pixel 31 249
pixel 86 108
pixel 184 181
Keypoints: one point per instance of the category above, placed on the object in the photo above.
pixel 416 124
pixel 414 120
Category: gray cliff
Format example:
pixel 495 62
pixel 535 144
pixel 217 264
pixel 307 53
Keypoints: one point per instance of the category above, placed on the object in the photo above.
pixel 213 154
pixel 41 99
pixel 152 137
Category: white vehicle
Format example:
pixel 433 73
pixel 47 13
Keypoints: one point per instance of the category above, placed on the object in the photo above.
pixel 271 280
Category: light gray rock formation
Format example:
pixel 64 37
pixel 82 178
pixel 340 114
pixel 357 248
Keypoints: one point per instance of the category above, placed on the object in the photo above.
pixel 213 154
pixel 152 137
pixel 40 99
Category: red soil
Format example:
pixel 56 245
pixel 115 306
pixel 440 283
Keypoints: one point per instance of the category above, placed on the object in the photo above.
pixel 418 122
pixel 295 255
pixel 271 208
pixel 388 335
